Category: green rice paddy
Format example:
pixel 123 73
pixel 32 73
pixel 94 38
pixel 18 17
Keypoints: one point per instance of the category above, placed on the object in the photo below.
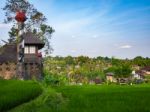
pixel 15 92
pixel 87 98
pixel 106 98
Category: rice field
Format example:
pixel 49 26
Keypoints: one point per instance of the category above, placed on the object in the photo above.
pixel 106 98
pixel 95 98
pixel 15 92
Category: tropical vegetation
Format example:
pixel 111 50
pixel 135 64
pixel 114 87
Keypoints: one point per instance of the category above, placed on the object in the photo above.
pixel 83 69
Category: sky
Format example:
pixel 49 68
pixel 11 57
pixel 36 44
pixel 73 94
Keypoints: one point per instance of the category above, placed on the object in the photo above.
pixel 118 28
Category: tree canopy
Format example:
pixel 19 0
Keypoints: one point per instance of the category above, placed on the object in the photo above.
pixel 35 23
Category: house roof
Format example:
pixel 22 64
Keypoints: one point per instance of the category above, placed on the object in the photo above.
pixel 143 70
pixel 110 74
pixel 140 72
pixel 8 53
pixel 31 39
pixel 147 68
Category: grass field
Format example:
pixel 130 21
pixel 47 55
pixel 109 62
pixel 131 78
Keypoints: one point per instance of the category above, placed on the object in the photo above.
pixel 100 98
pixel 14 92
pixel 106 98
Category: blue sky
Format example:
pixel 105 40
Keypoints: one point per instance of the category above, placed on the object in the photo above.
pixel 119 28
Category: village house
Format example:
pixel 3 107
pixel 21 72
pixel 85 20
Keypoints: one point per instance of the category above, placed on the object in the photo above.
pixel 110 77
pixel 32 58
pixel 143 72
pixel 135 67
pixel 136 75
pixel 146 70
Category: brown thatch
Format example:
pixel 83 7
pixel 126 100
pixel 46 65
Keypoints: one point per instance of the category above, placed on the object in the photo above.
pixel 31 39
pixel 140 72
pixel 146 68
pixel 8 53
pixel 109 74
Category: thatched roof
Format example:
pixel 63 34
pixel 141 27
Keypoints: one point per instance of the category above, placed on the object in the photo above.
pixel 109 74
pixel 31 39
pixel 146 68
pixel 8 53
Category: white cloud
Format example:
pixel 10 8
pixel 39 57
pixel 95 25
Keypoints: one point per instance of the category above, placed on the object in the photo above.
pixel 72 26
pixel 73 50
pixel 125 47
pixel 73 36
pixel 95 36
pixel 2 25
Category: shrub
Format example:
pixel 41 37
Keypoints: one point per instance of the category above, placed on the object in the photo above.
pixel 51 80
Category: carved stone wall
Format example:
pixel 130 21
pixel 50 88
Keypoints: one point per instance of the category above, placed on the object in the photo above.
pixel 8 71
pixel 33 70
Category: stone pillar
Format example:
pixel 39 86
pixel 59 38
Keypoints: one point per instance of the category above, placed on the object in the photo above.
pixel 20 18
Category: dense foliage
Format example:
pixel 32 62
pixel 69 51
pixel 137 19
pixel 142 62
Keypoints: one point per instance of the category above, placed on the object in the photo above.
pixel 84 70
pixel 13 93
